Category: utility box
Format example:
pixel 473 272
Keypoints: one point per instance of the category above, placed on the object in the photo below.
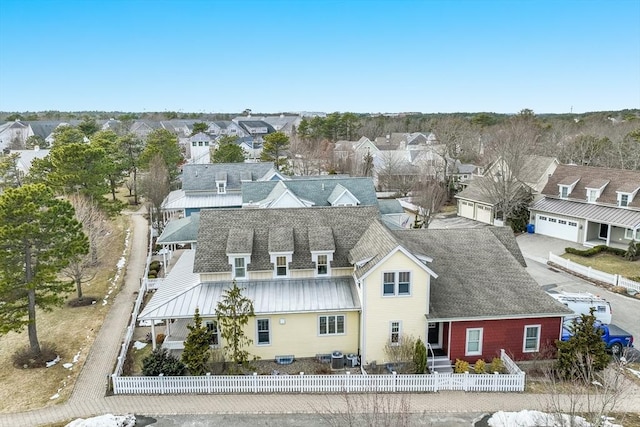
pixel 352 360
pixel 337 360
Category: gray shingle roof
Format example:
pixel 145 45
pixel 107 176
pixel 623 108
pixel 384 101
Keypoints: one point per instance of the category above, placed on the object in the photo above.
pixel 281 239
pixel 619 180
pixel 202 177
pixel 390 206
pixel 317 190
pixel 347 225
pixel 475 191
pixel 240 241
pixel 489 283
pixel 376 242
pixel 534 168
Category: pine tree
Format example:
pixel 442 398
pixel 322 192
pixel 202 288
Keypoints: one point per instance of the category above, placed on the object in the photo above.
pixel 420 357
pixel 233 313
pixel 161 362
pixel 196 346
pixel 584 353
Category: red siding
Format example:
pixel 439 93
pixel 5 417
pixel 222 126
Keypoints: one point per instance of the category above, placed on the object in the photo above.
pixel 507 334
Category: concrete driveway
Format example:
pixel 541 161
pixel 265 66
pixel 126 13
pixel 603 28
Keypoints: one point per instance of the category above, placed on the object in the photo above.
pixel 537 247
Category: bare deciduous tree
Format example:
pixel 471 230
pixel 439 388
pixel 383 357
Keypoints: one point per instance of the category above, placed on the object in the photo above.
pixel 156 187
pixel 429 195
pixel 395 173
pixel 95 225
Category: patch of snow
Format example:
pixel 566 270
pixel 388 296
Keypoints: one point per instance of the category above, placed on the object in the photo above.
pixel 139 345
pixel 53 362
pixel 537 418
pixel 121 263
pixel 55 396
pixel 76 357
pixel 67 365
pixel 634 372
pixel 107 420
pixel 148 322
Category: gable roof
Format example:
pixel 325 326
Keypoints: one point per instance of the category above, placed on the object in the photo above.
pixel 316 190
pixel 490 282
pixel 346 223
pixel 202 177
pixel 589 176
pixel 535 168
pixel 26 157
pixel 475 191
pixel 625 218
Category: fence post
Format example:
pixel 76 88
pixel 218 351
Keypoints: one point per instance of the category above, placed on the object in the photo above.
pixel 255 382
pixel 495 381
pixel 208 382
pixel 436 382
pixel 465 384
pixel 301 382
pixel 394 380
pixel 616 277
pixel 161 376
pixel 348 385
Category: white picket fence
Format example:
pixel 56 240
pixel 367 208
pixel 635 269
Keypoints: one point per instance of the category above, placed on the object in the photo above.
pixel 393 383
pixel 611 279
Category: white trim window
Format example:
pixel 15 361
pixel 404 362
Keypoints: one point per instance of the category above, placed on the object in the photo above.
pixel 239 268
pixel 222 187
pixel 564 191
pixel 263 332
pixel 396 283
pixel 214 333
pixel 322 265
pixel 628 234
pixel 473 342
pixel 623 200
pixel 592 195
pixel 331 325
pixel 395 333
pixel 281 266
pixel 531 341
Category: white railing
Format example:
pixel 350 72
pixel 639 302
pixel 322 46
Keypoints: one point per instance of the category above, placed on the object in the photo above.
pixel 152 284
pixel 207 384
pixel 134 315
pixel 610 279
pixel 509 364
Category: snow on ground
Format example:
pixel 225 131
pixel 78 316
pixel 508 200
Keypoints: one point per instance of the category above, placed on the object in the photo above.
pixel 107 420
pixel 139 345
pixel 536 418
pixel 53 362
pixel 634 372
pixel 119 266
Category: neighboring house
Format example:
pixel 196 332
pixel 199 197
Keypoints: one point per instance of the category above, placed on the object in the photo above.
pixel 590 205
pixel 336 278
pixel 142 128
pixel 214 185
pixel 474 202
pixel 199 148
pixel 13 135
pixel 26 157
pixel 283 123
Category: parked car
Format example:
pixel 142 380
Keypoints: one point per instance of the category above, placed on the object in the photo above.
pixel 615 338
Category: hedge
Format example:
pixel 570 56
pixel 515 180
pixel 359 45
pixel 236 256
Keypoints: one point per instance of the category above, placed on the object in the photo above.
pixel 597 249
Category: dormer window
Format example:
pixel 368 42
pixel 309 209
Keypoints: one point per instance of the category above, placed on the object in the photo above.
pixel 239 268
pixel 592 195
pixel 322 265
pixel 564 191
pixel 322 259
pixel 281 266
pixel 222 187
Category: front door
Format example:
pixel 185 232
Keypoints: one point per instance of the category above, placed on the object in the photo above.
pixel 434 335
pixel 604 231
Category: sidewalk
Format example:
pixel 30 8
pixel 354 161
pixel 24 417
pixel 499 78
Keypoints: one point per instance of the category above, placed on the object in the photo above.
pixel 88 397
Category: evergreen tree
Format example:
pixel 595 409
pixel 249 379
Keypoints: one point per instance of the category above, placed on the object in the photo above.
pixel 39 236
pixel 196 346
pixel 233 312
pixel 584 353
pixel 420 357
pixel 160 361
pixel 275 145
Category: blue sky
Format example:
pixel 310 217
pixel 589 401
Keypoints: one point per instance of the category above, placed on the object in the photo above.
pixel 361 56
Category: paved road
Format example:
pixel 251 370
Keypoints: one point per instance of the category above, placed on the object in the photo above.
pixel 88 398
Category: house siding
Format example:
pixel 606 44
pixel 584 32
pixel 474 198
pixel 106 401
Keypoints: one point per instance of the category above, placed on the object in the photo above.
pixel 380 311
pixel 507 334
pixel 299 336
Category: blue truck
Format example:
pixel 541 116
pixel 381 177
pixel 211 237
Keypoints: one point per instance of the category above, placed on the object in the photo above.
pixel 615 338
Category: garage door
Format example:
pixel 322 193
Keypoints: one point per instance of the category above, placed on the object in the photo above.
pixel 557 227
pixel 465 209
pixel 484 214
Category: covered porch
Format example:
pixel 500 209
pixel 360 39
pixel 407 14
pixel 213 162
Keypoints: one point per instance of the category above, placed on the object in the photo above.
pixel 604 233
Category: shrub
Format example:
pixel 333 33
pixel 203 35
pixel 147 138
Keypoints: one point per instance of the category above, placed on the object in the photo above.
pixel 161 362
pixel 323 370
pixel 584 353
pixel 154 265
pixel 403 351
pixel 420 357
pixel 461 366
pixel 496 365
pixel 604 248
pixel 153 273
pixel 480 367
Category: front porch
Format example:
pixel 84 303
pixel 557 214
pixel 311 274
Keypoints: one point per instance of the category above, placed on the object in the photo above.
pixel 601 233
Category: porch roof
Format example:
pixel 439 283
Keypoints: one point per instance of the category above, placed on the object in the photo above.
pixel 620 217
pixel 179 200
pixel 268 296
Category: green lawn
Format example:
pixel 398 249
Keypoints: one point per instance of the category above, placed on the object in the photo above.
pixel 608 263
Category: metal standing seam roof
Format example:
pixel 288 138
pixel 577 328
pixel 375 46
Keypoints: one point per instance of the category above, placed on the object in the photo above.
pixel 621 217
pixel 268 296
pixel 179 200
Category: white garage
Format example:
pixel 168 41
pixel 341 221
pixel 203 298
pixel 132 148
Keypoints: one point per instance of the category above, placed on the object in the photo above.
pixel 465 209
pixel 484 213
pixel 557 227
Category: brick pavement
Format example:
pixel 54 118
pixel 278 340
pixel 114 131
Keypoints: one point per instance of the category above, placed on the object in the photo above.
pixel 88 397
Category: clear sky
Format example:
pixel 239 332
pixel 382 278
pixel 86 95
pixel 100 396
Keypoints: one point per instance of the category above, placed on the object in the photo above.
pixel 362 56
